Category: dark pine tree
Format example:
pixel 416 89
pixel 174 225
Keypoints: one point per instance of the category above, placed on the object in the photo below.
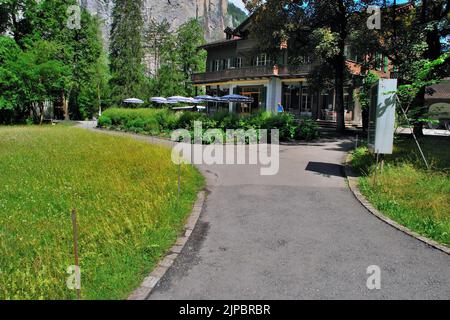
pixel 126 52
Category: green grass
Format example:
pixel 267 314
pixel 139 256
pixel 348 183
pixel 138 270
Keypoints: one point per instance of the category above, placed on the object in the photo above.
pixel 406 191
pixel 125 195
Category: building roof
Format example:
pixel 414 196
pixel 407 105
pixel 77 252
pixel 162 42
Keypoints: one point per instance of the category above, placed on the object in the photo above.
pixel 219 43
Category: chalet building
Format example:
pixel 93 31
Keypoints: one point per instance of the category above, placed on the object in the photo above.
pixel 232 67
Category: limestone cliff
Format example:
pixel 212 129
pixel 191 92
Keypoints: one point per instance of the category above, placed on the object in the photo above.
pixel 212 13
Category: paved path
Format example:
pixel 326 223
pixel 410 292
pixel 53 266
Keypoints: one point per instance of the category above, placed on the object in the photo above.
pixel 298 235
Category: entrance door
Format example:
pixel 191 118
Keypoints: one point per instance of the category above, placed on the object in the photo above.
pixel 250 107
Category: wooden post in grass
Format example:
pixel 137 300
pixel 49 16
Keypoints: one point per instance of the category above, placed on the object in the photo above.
pixel 75 251
pixel 179 182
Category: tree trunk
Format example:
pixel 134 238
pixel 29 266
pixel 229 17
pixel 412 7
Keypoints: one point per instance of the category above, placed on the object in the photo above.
pixel 41 112
pixel 339 91
pixel 65 105
pixel 340 66
pixel 99 101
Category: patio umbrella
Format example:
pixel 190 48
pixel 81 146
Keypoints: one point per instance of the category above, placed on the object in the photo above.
pixel 207 98
pixel 178 99
pixel 133 101
pixel 236 98
pixel 193 100
pixel 159 100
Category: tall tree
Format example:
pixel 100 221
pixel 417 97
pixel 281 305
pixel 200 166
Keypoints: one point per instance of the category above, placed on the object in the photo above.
pixel 179 57
pixel 411 35
pixel 189 38
pixel 126 52
pixel 324 26
pixel 155 36
pixel 16 17
pixel 30 21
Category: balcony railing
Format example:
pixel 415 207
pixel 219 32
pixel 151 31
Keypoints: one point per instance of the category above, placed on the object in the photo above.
pixel 253 72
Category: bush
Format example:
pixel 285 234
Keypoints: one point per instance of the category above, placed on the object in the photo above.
pixel 187 119
pixel 307 130
pixel 284 122
pixel 362 159
pixel 163 121
pixel 104 121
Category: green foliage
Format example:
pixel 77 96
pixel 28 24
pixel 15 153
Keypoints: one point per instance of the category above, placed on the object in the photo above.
pixel 362 160
pixel 162 122
pixel 308 129
pixel 104 121
pixel 236 15
pixel 364 93
pixel 284 122
pixel 32 76
pixel 125 193
pixel 325 43
pixel 9 80
pixel 416 199
pixel 126 52
pixel 430 72
pixel 188 38
pixel 37 26
pixel 405 190
pixel 178 57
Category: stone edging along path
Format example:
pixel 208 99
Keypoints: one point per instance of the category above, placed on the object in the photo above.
pixel 155 276
pixel 353 185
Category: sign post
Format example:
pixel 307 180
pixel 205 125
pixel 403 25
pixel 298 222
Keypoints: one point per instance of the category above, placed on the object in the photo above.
pixel 382 116
pixel 383 101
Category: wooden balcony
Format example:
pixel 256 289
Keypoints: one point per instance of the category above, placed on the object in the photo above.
pixel 251 73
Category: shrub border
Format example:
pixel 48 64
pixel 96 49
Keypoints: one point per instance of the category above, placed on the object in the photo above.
pixel 352 180
pixel 150 282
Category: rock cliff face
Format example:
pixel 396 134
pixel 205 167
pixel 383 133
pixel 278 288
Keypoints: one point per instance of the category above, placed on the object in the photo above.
pixel 212 13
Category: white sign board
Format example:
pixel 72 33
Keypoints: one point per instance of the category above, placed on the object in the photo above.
pixel 382 116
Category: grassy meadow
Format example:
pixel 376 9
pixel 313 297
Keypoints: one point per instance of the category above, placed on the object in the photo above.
pixel 406 191
pixel 125 194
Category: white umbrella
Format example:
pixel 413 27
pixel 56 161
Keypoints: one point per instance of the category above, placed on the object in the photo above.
pixel 133 101
pixel 177 99
pixel 159 100
pixel 236 98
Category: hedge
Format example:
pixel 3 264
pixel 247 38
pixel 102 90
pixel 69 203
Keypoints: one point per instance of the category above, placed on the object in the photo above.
pixel 163 122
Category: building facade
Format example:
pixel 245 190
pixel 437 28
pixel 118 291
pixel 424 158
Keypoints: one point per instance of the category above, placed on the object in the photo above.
pixel 233 67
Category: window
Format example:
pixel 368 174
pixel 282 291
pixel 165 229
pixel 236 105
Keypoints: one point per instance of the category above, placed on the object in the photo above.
pixel 238 63
pixel 261 60
pixel 347 52
pixel 229 63
pixel 353 54
pixel 305 99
